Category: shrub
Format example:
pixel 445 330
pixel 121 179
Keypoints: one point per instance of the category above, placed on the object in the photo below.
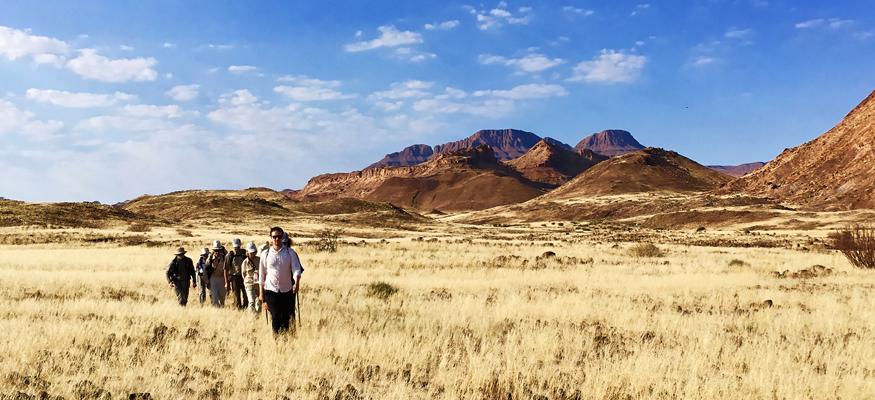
pixel 646 250
pixel 134 240
pixel 139 227
pixel 700 229
pixel 737 263
pixel 184 233
pixel 857 243
pixel 381 290
pixel 328 239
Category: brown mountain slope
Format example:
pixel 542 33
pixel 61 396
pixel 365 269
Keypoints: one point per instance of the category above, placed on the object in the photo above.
pixel 835 171
pixel 611 143
pixel 737 170
pixel 223 204
pixel 507 144
pixel 467 179
pixel 552 164
pixel 648 170
pixel 411 155
pixel 67 215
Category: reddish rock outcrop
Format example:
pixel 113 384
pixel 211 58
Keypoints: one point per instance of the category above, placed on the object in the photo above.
pixel 552 164
pixel 835 171
pixel 611 143
pixel 411 155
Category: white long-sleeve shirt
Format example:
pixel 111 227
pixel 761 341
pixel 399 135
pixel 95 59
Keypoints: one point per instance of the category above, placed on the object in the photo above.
pixel 277 269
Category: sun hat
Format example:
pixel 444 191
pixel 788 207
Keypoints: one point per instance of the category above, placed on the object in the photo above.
pixel 237 243
pixel 205 251
pixel 286 239
pixel 217 245
pixel 250 248
pixel 262 248
pixel 180 250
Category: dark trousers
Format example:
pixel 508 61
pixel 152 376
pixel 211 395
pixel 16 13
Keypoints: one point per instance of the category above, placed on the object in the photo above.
pixel 181 288
pixel 239 291
pixel 282 310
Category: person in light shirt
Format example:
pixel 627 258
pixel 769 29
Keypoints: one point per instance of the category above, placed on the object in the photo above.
pixel 279 277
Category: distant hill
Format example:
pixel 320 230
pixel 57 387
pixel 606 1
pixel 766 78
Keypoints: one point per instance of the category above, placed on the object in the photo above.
pixel 835 171
pixel 648 170
pixel 611 143
pixel 222 204
pixel 507 144
pixel 737 170
pixel 553 164
pixel 67 215
pixel 459 180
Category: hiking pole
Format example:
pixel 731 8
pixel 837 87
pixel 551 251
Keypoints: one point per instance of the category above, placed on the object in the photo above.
pixel 298 299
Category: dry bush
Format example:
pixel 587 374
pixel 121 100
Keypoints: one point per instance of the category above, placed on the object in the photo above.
pixel 184 233
pixel 737 263
pixel 857 243
pixel 381 290
pixel 139 227
pixel 646 250
pixel 328 239
pixel 134 240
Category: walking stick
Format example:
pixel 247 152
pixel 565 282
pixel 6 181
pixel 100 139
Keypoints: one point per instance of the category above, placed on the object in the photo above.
pixel 266 311
pixel 298 299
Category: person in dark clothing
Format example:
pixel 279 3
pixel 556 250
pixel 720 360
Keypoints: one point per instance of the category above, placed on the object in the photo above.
pixel 234 267
pixel 179 272
pixel 280 277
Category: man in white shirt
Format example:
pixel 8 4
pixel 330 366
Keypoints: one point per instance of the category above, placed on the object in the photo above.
pixel 279 277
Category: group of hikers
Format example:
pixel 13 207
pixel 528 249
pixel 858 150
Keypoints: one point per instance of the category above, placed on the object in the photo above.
pixel 268 276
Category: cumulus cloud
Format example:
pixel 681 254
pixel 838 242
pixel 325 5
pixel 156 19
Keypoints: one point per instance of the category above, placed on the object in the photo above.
pixel 15 43
pixel 529 63
pixel 443 25
pixel 239 69
pixel 76 100
pixel 609 67
pixel 738 33
pixel 493 108
pixel 144 110
pixel 701 61
pixel 574 11
pixel 388 106
pixel 390 37
pixel 124 123
pixel 93 66
pixel 126 48
pixel 238 97
pixel 307 89
pixel 15 120
pixel 530 91
pixel 404 90
pixel 183 92
pixel 499 16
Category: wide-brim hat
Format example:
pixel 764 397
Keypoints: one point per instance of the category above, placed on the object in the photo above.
pixel 237 243
pixel 250 247
pixel 180 250
pixel 286 238
pixel 263 247
pixel 217 245
pixel 205 251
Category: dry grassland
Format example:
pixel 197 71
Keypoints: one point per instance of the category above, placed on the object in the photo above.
pixel 90 319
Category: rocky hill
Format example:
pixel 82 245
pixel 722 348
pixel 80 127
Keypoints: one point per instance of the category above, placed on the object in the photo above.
pixel 553 164
pixel 222 204
pixel 648 170
pixel 411 155
pixel 460 180
pixel 737 170
pixel 611 143
pixel 835 171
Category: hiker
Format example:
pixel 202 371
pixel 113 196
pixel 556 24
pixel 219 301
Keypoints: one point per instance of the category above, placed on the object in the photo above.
pixel 250 277
pixel 179 272
pixel 234 264
pixel 200 269
pixel 279 275
pixel 218 275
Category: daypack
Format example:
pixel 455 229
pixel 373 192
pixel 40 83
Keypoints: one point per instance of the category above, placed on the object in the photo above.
pixel 234 257
pixel 266 252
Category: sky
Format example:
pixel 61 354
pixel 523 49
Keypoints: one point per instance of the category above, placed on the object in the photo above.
pixel 109 100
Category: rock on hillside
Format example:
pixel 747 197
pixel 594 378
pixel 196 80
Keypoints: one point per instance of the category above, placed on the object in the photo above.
pixel 462 180
pixel 611 143
pixel 552 164
pixel 507 144
pixel 648 170
pixel 835 171
pixel 737 170
pixel 411 155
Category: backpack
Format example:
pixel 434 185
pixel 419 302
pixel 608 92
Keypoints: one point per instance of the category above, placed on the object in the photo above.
pixel 266 252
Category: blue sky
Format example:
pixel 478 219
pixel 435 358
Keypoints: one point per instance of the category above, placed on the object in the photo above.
pixel 108 100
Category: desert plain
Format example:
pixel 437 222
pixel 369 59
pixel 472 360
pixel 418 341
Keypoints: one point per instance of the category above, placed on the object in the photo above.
pixel 437 309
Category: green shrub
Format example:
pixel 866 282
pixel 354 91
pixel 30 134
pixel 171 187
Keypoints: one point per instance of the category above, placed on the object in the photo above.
pixel 646 250
pixel 381 290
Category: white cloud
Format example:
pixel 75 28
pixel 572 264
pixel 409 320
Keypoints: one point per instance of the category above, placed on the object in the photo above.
pixel 15 43
pixel 639 43
pixel 14 120
pixel 809 24
pixel 700 61
pixel 305 81
pixel 76 100
pixel 404 90
pixel 609 67
pixel 422 57
pixel 92 66
pixel 126 48
pixel 456 93
pixel 124 123
pixel 490 108
pixel 569 10
pixel 640 7
pixel 738 33
pixel 837 23
pixel 525 9
pixel 864 35
pixel 390 106
pixel 144 110
pixel 390 37
pixel 237 98
pixel 55 59
pixel 168 75
pixel 529 63
pixel 168 44
pixel 443 25
pixel 312 90
pixel 496 16
pixel 530 91
pixel 221 46
pixel 183 92
pixel 239 69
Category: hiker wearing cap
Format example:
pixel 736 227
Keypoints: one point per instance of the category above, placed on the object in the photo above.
pixel 216 271
pixel 250 277
pixel 200 268
pixel 234 266
pixel 179 272
pixel 279 276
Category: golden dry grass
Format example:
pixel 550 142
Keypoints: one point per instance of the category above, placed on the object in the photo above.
pixel 83 318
